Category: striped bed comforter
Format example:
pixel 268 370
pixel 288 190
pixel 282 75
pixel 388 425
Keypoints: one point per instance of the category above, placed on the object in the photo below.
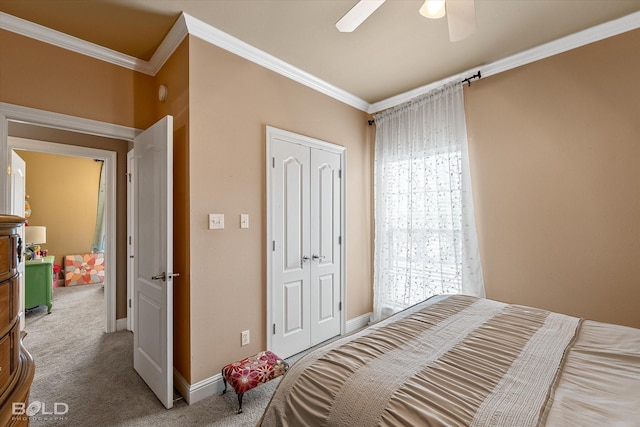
pixel 462 361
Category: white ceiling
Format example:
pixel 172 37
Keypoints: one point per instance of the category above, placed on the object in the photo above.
pixel 392 52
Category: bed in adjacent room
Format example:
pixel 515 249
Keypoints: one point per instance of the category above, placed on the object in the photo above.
pixel 465 361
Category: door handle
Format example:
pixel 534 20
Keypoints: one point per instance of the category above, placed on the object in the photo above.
pixel 162 277
pixel 165 276
pixel 303 260
pixel 19 249
pixel 316 257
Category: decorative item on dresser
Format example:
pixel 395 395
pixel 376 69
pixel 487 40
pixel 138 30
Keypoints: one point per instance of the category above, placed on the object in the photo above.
pixel 16 364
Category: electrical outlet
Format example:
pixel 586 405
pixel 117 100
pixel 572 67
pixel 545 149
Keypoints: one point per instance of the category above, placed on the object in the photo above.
pixel 245 337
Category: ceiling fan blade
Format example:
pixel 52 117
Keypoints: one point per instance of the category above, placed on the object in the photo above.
pixel 461 16
pixel 358 13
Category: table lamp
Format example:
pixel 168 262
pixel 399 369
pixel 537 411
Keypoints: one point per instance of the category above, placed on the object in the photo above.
pixel 35 235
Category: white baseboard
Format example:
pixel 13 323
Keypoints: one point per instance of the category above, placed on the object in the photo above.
pixel 121 324
pixel 193 393
pixel 358 322
pixel 198 391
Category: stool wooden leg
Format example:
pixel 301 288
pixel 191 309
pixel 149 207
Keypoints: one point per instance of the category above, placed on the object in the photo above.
pixel 240 403
pixel 224 380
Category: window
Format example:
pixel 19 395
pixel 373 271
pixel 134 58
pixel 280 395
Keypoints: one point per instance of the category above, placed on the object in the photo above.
pixel 425 240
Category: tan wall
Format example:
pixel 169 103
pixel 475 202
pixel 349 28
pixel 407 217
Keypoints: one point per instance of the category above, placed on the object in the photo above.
pixel 38 75
pixel 63 193
pixel 555 157
pixel 231 102
pixel 175 75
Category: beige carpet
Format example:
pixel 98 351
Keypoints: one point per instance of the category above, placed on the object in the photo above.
pixel 92 372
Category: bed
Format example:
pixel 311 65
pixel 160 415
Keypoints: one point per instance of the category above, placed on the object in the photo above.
pixel 466 361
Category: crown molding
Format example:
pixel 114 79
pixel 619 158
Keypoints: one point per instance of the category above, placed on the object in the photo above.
pixel 236 46
pixel 169 44
pixel 573 41
pixel 65 41
pixel 187 24
pixel 564 44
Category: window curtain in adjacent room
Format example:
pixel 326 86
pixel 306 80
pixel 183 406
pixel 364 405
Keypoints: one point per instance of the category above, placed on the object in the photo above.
pixel 98 235
pixel 425 234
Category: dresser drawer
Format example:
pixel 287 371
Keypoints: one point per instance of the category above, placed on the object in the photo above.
pixel 9 352
pixel 9 248
pixel 9 300
pixel 6 257
pixel 5 359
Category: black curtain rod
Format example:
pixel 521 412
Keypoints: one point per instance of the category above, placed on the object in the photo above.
pixel 467 80
pixel 475 76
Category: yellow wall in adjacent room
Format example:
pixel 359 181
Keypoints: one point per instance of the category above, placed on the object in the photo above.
pixel 63 193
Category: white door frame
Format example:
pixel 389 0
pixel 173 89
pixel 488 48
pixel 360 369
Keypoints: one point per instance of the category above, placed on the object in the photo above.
pixel 9 112
pixel 130 240
pixel 18 208
pixel 273 133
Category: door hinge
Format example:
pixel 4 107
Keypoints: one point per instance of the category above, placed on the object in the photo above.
pixel 274 329
pixel 129 240
pixel 339 173
pixel 273 162
pixel 273 246
pixel 339 240
pixel 129 177
pixel 129 302
pixel 340 306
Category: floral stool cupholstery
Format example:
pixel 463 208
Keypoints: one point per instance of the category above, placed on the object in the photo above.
pixel 250 372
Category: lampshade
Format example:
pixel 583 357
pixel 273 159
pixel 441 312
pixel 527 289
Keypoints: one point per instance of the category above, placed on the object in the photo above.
pixel 35 235
pixel 433 9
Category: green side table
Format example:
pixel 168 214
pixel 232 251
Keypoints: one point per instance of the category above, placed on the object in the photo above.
pixel 38 282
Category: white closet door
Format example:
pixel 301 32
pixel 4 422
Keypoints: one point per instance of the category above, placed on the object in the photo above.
pixel 325 247
pixel 305 217
pixel 291 266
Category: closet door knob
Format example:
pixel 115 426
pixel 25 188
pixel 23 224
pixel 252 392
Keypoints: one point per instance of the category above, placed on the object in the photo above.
pixel 303 260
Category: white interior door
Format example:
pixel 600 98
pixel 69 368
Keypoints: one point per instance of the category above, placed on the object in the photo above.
pixel 325 245
pixel 292 248
pixel 18 192
pixel 153 259
pixel 306 251
pixel 130 242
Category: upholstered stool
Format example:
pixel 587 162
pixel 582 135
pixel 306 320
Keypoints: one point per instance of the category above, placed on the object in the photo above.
pixel 249 373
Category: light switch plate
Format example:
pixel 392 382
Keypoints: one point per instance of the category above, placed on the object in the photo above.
pixel 216 221
pixel 244 220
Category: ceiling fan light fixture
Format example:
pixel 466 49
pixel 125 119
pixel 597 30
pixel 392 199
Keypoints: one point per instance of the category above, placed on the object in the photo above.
pixel 433 9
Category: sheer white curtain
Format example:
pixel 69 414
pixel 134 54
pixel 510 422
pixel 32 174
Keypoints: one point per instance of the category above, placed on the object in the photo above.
pixel 425 235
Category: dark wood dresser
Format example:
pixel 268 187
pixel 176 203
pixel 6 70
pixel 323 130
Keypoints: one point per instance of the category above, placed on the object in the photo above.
pixel 16 364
